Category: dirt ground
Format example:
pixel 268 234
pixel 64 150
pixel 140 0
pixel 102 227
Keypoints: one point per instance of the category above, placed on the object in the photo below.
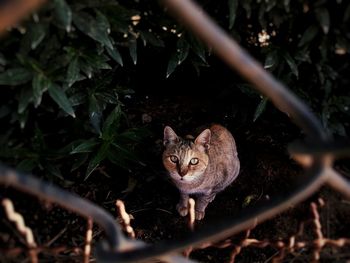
pixel 266 172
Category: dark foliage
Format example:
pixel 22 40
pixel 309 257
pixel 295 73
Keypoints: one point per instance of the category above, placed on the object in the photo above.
pixel 67 71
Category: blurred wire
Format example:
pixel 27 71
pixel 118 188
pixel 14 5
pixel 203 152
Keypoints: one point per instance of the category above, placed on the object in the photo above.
pixel 11 12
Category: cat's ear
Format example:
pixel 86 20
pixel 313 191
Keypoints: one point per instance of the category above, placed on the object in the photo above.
pixel 169 136
pixel 203 139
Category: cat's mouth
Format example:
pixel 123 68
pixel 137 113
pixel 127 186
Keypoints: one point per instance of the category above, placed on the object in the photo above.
pixel 187 178
pixel 184 178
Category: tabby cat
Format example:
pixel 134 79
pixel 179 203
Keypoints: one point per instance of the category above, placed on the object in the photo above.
pixel 200 167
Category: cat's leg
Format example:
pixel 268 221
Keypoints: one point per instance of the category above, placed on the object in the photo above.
pixel 182 206
pixel 202 203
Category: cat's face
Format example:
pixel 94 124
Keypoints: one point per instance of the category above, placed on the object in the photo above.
pixel 185 160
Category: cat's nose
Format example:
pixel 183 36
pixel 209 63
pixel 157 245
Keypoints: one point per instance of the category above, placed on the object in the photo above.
pixel 183 172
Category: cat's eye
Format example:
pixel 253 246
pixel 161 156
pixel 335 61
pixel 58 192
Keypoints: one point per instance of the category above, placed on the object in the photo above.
pixel 174 159
pixel 194 161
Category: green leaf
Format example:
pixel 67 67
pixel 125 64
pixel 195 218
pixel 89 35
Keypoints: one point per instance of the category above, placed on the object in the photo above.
pixel 30 62
pixel 95 61
pixel 198 63
pixel 232 7
pixel 117 158
pixel 269 5
pixel 80 160
pixel 63 14
pixel 48 51
pixel 178 56
pixel 22 118
pixel 5 110
pixel 291 63
pixel 60 97
pixel 303 55
pixel 262 17
pixel 37 34
pixel 322 16
pixel 78 98
pixel 346 14
pixel 330 72
pixel 2 60
pixel 96 29
pixel 122 157
pixel 309 34
pixel 260 109
pixel 134 134
pixel 27 165
pixel 338 128
pixel 102 22
pixel 53 170
pixel 15 76
pixel 25 97
pixel 5 151
pixel 114 53
pixel 197 46
pixel 85 147
pixel 133 50
pixel 108 97
pixel 86 68
pixel 271 60
pixel 40 84
pixel 127 154
pixel 111 125
pixel 154 40
pixel 73 72
pixel 172 64
pixel 182 49
pixel 247 4
pixel 286 4
pixel 95 113
pixel 39 144
pixel 97 159
pixel 66 149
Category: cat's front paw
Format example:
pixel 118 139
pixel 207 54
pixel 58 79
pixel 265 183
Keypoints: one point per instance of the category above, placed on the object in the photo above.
pixel 183 210
pixel 200 215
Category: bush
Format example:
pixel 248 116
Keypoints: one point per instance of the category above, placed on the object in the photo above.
pixel 66 70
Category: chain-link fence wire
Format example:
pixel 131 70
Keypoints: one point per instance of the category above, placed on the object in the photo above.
pixel 316 153
pixel 12 11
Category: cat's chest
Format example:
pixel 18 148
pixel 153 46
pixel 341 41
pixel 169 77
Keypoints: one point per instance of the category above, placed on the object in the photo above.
pixel 196 190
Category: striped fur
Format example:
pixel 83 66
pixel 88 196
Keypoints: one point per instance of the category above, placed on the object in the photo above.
pixel 201 167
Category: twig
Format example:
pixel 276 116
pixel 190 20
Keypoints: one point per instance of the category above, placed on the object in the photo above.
pixel 125 218
pixel 88 239
pixel 18 220
pixel 191 221
pixel 50 242
pixel 191 213
pixel 283 248
pixel 244 243
pixel 76 251
pixel 319 242
pixel 147 209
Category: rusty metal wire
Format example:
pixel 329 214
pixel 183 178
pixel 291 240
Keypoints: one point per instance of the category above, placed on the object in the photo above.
pixel 41 189
pixel 292 244
pixel 316 154
pixel 27 232
pixel 13 11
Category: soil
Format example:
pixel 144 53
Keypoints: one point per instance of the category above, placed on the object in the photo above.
pixel 267 171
